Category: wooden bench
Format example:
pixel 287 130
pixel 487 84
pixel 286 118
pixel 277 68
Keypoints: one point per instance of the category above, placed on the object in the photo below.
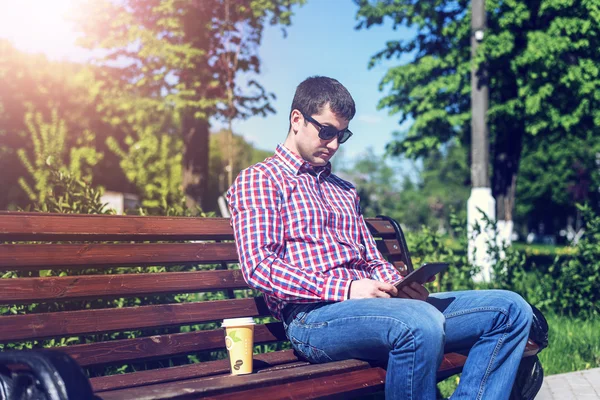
pixel 106 309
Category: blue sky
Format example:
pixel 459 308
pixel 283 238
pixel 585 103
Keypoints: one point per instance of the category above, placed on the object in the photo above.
pixel 321 41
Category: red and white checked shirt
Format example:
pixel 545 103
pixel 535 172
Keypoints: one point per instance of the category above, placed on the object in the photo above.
pixel 299 232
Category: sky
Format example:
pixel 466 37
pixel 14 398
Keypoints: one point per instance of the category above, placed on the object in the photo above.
pixel 321 41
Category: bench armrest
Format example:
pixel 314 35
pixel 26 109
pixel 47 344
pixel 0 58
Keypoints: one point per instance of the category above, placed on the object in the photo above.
pixel 50 375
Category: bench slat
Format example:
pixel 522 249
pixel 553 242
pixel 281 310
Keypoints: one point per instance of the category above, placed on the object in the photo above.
pixel 451 364
pixel 45 256
pixel 380 228
pixel 84 322
pixel 343 385
pixel 55 256
pixel 389 247
pixel 160 346
pixel 20 226
pixel 214 385
pixel 28 290
pixel 198 370
pixel 401 267
pixel 53 227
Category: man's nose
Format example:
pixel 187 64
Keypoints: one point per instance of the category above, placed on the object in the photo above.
pixel 333 144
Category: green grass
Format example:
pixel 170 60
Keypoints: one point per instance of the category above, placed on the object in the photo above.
pixel 574 345
pixel 544 249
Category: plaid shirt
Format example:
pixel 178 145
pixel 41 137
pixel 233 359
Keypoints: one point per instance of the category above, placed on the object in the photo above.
pixel 299 232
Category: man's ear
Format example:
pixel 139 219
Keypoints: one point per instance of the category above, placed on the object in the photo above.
pixel 296 119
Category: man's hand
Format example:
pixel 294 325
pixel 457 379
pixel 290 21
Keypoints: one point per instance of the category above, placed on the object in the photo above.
pixel 369 288
pixel 413 291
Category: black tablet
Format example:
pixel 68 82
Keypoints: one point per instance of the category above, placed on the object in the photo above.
pixel 422 275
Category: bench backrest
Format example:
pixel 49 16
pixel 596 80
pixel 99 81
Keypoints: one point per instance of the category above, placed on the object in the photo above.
pixel 123 289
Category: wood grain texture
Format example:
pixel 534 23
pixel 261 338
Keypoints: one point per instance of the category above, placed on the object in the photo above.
pixel 92 255
pixel 16 226
pixel 28 290
pixel 345 385
pixel 162 346
pixel 83 322
pixel 211 386
pixel 262 362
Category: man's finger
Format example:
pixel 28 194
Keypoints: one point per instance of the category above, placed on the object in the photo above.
pixel 410 292
pixel 422 291
pixel 389 288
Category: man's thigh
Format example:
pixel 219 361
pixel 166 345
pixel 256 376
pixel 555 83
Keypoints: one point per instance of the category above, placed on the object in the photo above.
pixel 471 314
pixel 363 328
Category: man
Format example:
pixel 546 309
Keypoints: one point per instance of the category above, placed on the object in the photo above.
pixel 303 242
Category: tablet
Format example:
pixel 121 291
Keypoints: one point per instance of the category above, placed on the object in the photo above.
pixel 422 275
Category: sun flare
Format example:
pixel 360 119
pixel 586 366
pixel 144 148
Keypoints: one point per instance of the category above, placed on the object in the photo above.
pixel 39 26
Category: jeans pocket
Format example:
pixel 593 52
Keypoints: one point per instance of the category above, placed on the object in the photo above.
pixel 310 353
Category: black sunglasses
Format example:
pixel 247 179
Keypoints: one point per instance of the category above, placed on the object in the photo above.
pixel 327 132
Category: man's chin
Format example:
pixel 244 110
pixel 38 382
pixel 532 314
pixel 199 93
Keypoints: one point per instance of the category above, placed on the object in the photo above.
pixel 319 162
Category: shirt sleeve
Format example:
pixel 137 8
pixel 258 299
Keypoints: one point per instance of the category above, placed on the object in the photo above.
pixel 379 267
pixel 255 203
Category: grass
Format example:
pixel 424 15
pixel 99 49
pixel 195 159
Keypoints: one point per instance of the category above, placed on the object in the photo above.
pixel 544 249
pixel 573 345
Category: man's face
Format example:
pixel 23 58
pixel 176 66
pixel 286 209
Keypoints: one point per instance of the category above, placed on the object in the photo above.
pixel 305 139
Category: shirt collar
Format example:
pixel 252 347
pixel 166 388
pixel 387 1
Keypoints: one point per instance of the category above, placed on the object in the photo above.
pixel 298 164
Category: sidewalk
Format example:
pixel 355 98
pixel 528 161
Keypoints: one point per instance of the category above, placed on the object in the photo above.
pixel 571 386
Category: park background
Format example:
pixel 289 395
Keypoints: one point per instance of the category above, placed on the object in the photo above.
pixel 157 105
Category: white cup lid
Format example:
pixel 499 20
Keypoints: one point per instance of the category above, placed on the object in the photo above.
pixel 238 322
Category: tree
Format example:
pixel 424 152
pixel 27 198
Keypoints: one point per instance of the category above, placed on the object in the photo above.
pixel 51 91
pixel 49 155
pixel 177 56
pixel 429 197
pixel 378 183
pixel 152 163
pixel 226 146
pixel 554 177
pixel 541 57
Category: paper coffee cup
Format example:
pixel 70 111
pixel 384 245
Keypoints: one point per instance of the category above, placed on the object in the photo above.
pixel 239 340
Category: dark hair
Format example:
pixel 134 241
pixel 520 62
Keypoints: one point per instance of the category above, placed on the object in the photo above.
pixel 317 91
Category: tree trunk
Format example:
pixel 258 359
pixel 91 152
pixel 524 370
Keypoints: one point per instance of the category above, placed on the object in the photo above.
pixel 507 154
pixel 195 160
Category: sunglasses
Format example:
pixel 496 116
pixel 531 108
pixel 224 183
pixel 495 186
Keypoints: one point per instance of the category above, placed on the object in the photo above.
pixel 327 132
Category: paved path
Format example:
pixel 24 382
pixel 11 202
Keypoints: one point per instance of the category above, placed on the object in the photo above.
pixel 578 385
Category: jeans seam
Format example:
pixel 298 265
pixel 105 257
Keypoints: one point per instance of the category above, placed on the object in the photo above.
pixel 411 335
pixel 498 345
pixel 478 309
pixel 492 359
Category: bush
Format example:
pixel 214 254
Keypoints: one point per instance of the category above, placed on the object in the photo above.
pixel 570 285
pixel 426 245
pixel 575 279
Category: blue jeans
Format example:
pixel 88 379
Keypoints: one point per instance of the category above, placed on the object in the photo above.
pixel 411 336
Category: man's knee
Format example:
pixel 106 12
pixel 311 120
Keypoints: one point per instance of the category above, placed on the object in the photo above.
pixel 519 310
pixel 428 326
